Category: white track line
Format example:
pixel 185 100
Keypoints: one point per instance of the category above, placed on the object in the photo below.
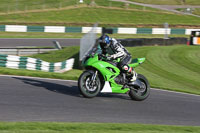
pixel 175 92
pixel 77 81
pixel 37 78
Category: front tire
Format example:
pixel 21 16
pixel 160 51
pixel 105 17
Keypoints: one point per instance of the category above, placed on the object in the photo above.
pixel 85 87
pixel 141 93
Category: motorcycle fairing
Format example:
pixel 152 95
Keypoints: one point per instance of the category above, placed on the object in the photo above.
pixel 110 72
pixel 109 75
pixel 103 67
pixel 107 87
pixel 136 62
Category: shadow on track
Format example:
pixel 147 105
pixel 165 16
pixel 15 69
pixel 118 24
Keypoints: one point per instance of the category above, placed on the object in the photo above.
pixel 55 87
pixel 66 89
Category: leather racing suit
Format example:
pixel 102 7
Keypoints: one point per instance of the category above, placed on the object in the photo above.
pixel 116 50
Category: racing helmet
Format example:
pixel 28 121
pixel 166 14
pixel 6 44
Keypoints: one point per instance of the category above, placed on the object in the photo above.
pixel 104 41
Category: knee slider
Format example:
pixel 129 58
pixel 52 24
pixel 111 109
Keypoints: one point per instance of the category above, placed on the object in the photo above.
pixel 126 68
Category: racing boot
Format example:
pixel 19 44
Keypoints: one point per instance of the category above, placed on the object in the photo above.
pixel 131 75
pixel 134 76
pixel 133 80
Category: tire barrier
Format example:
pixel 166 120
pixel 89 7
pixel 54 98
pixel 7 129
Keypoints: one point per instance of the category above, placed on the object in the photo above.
pixel 153 41
pixel 19 62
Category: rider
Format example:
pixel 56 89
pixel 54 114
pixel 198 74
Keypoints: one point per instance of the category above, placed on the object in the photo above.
pixel 113 50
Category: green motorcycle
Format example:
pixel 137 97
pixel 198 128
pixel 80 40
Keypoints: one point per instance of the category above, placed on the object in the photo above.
pixel 102 76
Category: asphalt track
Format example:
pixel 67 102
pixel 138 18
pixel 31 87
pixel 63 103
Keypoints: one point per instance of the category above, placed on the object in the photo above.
pixel 33 99
pixel 10 42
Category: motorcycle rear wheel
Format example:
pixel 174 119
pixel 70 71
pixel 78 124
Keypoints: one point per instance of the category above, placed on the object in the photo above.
pixel 141 93
pixel 85 87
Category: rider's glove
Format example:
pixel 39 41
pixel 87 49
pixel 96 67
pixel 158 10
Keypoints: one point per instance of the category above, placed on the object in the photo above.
pixel 102 56
pixel 109 57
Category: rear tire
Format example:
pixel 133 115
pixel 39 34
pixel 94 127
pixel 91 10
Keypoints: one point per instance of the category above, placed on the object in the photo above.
pixel 87 90
pixel 142 93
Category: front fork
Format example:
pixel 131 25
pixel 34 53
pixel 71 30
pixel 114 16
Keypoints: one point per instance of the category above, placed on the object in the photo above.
pixel 94 75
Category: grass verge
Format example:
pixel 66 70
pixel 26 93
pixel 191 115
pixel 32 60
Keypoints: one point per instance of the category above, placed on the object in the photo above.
pixel 196 11
pixel 70 75
pixel 14 6
pixel 47 127
pixel 103 15
pixel 171 67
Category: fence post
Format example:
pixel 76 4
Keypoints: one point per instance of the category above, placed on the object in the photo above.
pixel 166 25
pixel 38 50
pixel 8 9
pixel 16 8
pixel 18 52
pixel 144 8
pixel 60 5
pixel 43 6
pixel 110 4
pixel 25 8
pixel 126 5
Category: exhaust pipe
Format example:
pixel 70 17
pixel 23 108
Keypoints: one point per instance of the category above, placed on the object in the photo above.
pixel 136 84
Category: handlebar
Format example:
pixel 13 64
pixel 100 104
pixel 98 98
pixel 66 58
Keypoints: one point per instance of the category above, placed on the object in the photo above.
pixel 102 57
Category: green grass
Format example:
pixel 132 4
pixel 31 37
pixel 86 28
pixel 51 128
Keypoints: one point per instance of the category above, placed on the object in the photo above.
pixel 62 12
pixel 70 75
pixel 171 67
pixel 196 11
pixel 24 5
pixel 21 5
pixel 112 14
pixel 58 56
pixel 47 127
pixel 76 35
pixel 104 17
pixel 167 67
pixel 169 2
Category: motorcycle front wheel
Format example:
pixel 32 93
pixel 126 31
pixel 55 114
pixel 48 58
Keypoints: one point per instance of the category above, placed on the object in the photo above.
pixel 87 87
pixel 140 93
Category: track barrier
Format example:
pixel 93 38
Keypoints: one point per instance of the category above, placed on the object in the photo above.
pixel 19 62
pixel 117 30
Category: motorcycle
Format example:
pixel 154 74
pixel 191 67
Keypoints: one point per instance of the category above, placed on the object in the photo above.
pixel 103 76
